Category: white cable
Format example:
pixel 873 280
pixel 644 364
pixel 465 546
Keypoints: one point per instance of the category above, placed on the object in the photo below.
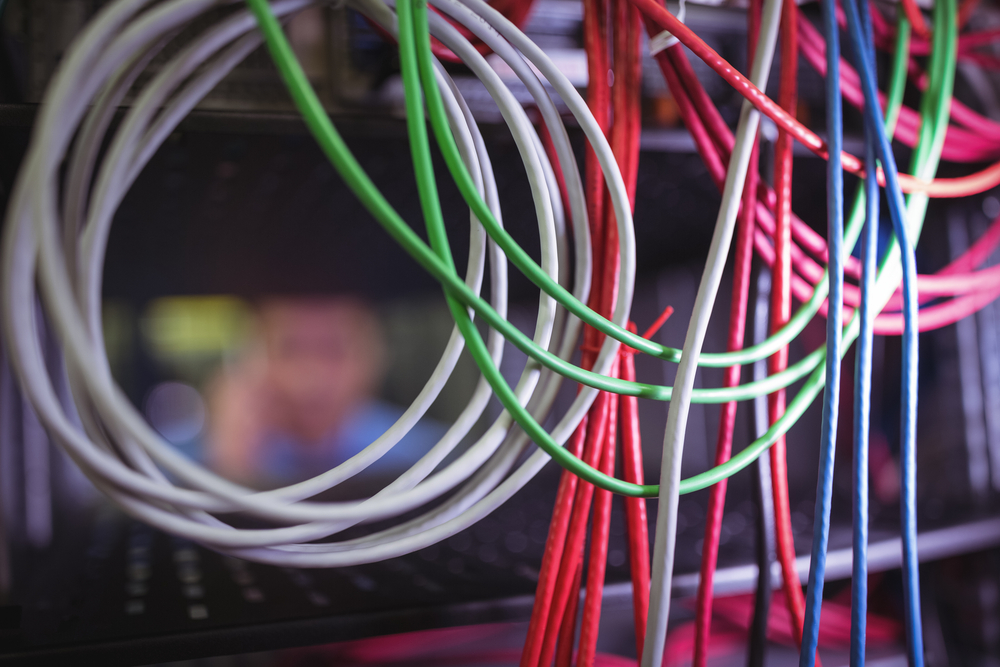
pixel 680 404
pixel 117 449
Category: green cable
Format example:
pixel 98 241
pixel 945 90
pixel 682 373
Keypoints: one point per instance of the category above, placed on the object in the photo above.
pixel 813 362
pixel 530 268
pixel 412 15
pixel 340 156
pixel 345 163
pixel 338 153
pixel 517 255
pixel 935 107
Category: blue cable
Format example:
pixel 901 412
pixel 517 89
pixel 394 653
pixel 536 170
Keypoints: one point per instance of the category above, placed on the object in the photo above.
pixel 834 327
pixel 908 431
pixel 863 384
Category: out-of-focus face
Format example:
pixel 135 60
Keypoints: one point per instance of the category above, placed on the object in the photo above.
pixel 324 359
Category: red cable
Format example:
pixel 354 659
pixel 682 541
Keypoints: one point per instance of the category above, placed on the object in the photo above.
pixel 635 508
pixel 702 108
pixel 595 44
pixel 541 625
pixel 794 598
pixel 947 187
pixel 781 312
pixel 600 531
pixel 965 12
pixel 916 18
pixel 704 120
pixel 625 134
pixel 554 547
pixel 577 535
pixel 567 630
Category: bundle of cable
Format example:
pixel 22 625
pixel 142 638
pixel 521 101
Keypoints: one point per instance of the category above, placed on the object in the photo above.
pixel 60 216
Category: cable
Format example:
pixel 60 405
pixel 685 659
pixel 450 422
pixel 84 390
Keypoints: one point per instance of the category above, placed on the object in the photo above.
pixel 637 527
pixel 863 390
pixel 673 441
pixel 472 502
pixel 915 18
pixel 598 556
pixel 925 160
pixel 944 24
pixel 780 312
pixel 128 460
pixel 831 393
pixel 941 187
pixel 765 547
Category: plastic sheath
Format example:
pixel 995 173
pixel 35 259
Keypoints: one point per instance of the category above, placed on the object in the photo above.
pixel 635 508
pixel 625 132
pixel 765 547
pixel 595 37
pixel 916 18
pixel 577 535
pixel 595 43
pixel 831 393
pixel 863 390
pixel 781 312
pixel 567 628
pixel 727 415
pixel 598 559
pixel 597 95
pixel 555 545
pixel 940 187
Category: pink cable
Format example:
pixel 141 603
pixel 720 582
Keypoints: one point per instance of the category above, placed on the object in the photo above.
pixel 960 145
pixel 938 315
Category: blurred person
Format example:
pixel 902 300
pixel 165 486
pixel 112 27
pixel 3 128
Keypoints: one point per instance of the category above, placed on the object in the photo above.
pixel 303 398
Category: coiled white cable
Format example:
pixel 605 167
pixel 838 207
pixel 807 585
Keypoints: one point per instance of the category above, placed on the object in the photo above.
pixel 116 448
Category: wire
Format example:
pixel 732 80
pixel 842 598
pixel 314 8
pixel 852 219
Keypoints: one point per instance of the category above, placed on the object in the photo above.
pixel 941 187
pixel 863 390
pixel 598 557
pixel 134 466
pixel 915 18
pixel 637 527
pixel 925 161
pixel 673 441
pixel 944 23
pixel 766 548
pixel 555 544
pixel 577 534
pixel 781 310
pixel 831 394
